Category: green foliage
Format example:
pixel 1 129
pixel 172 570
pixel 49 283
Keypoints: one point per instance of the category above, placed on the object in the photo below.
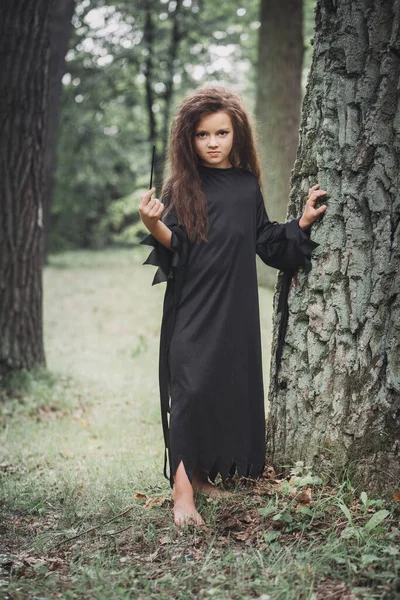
pixel 121 224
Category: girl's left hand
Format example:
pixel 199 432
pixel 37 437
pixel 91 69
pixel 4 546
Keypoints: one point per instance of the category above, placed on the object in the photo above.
pixel 311 213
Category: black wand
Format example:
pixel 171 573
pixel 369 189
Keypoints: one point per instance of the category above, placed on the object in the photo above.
pixel 152 167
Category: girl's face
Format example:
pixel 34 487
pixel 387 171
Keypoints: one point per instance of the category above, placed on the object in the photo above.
pixel 213 139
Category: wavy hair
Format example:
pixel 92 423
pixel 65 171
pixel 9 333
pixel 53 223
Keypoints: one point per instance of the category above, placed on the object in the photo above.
pixel 182 188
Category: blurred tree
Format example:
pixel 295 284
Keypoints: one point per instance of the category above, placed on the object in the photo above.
pixel 278 100
pixel 60 30
pixel 25 51
pixel 336 404
pixel 280 62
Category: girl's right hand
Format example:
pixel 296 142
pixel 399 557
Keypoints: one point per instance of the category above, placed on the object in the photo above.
pixel 150 209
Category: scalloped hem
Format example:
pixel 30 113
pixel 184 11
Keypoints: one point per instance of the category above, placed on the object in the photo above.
pixel 241 468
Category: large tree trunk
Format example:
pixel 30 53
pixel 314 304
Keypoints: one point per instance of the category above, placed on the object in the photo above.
pixel 278 104
pixel 24 47
pixel 61 24
pixel 337 402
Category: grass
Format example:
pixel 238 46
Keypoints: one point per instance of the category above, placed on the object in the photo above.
pixel 85 510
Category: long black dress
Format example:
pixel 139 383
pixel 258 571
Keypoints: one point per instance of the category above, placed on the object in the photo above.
pixel 210 367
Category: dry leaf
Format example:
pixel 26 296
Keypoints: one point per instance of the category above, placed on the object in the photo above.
pixel 278 485
pixel 270 474
pixel 241 535
pixel 139 496
pixel 158 501
pixel 247 519
pixel 164 540
pixel 152 556
pixel 396 495
pixel 304 497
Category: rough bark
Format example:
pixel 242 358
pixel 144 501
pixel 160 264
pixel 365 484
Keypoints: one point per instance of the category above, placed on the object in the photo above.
pixel 337 403
pixel 61 24
pixel 278 103
pixel 24 47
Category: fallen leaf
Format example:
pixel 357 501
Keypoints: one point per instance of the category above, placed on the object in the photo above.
pixel 158 501
pixel 139 496
pixel 152 556
pixel 396 495
pixel 270 474
pixel 304 497
pixel 334 589
pixel 164 540
pixel 247 519
pixel 241 535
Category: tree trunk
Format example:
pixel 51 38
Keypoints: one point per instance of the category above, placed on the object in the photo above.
pixel 176 36
pixel 278 104
pixel 337 402
pixel 149 40
pixel 25 51
pixel 61 24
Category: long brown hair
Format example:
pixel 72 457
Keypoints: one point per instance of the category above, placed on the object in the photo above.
pixel 183 184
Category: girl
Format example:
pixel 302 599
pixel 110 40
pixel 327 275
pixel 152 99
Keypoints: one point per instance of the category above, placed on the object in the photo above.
pixel 205 234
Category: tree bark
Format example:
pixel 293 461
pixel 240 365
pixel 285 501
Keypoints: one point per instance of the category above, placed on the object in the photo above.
pixel 337 402
pixel 25 51
pixel 278 104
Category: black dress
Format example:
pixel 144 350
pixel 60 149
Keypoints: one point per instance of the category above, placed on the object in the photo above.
pixel 210 366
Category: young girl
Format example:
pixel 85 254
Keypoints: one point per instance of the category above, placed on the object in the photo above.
pixel 206 233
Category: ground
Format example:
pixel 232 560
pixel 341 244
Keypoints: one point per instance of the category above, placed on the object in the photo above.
pixel 85 510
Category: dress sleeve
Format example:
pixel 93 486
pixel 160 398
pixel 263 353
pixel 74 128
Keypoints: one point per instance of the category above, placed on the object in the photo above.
pixel 284 246
pixel 165 259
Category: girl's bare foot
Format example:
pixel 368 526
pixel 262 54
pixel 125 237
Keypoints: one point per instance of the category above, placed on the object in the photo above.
pixel 185 512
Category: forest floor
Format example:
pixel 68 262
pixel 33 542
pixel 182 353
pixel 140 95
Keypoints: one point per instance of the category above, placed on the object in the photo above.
pixel 85 509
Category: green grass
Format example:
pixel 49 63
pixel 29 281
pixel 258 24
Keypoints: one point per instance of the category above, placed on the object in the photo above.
pixel 80 439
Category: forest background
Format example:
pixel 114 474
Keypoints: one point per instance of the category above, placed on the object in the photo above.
pixel 127 67
pixel 85 510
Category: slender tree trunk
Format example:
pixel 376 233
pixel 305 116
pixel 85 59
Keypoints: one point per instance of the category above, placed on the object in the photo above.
pixel 176 36
pixel 149 40
pixel 59 37
pixel 337 403
pixel 25 51
pixel 278 103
